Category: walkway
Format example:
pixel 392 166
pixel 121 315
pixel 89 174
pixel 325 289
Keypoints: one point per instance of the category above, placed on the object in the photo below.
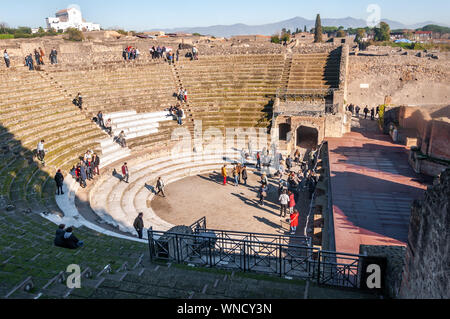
pixel 372 188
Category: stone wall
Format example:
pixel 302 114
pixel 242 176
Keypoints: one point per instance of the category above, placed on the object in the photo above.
pixel 409 80
pixel 426 273
pixel 440 139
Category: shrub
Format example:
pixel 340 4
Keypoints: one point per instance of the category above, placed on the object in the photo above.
pixel 74 35
pixel 275 39
pixel 6 36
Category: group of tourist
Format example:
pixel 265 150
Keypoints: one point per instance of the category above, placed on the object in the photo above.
pixel 86 169
pixel 355 110
pixel 182 95
pixel 78 101
pixel 289 189
pixel 38 58
pixel 178 113
pixel 130 53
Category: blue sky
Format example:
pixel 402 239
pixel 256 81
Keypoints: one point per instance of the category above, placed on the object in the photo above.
pixel 144 15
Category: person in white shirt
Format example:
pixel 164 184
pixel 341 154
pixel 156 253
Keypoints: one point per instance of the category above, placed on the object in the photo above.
pixel 40 151
pixel 6 57
pixel 284 201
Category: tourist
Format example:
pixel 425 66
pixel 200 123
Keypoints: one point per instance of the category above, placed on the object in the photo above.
pixel 125 173
pixel 244 174
pixel 262 194
pixel 42 54
pixel 372 114
pixel 79 101
pixel 284 201
pixel 180 94
pixel 83 175
pixel 70 241
pixel 139 225
pixel 180 115
pixel 41 151
pixel 100 119
pixel 357 111
pixel 185 95
pixel 6 57
pixel 37 56
pixel 124 54
pixel 96 164
pixel 89 169
pixel 258 161
pixel 224 174
pixel 235 176
pixel 59 236
pixel 377 113
pixel 108 127
pixel 54 56
pixel 30 62
pixel 178 54
pixel 291 202
pixel 294 216
pixel 264 180
pixel 121 139
pixel 366 111
pixel 59 179
pixel 137 52
pixel 297 156
pixel 289 163
pixel 160 187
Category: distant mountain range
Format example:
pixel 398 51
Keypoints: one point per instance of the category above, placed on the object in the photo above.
pixel 291 24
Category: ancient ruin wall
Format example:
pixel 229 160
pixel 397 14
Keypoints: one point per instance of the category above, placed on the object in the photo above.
pixel 408 79
pixel 426 273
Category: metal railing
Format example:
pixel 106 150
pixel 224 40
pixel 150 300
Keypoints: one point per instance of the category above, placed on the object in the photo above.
pixel 262 253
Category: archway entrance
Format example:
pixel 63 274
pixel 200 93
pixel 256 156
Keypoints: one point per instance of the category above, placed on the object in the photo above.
pixel 307 137
pixel 284 129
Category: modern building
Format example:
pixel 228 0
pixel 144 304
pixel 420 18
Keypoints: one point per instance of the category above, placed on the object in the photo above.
pixel 71 18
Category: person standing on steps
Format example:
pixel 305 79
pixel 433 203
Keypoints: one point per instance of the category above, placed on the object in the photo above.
pixel 244 174
pixel 6 57
pixel 294 221
pixel 291 202
pixel 160 187
pixel 125 173
pixel 284 201
pixel 96 163
pixel 185 95
pixel 139 225
pixel 59 179
pixel 224 174
pixel 357 111
pixel 54 56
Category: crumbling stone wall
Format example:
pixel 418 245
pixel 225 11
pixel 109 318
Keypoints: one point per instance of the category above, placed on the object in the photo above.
pixel 426 273
pixel 407 79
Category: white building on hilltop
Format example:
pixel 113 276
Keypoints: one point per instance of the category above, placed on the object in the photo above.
pixel 70 18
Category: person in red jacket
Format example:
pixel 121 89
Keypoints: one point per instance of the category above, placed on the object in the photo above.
pixel 291 202
pixel 125 173
pixel 294 221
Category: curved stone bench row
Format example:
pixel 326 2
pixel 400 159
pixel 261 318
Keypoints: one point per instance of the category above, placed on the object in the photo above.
pixel 118 203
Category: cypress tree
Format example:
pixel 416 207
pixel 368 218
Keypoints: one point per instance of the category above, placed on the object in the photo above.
pixel 318 30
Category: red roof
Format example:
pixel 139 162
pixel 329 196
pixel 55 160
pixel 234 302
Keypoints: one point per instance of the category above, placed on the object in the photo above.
pixel 423 32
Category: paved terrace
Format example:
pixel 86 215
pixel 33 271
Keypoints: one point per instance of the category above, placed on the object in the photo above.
pixel 373 187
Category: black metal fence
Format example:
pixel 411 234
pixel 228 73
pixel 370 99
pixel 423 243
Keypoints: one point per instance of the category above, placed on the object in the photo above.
pixel 262 253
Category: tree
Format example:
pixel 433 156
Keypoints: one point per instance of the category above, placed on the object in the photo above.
pixel 341 34
pixel 383 33
pixel 285 37
pixel 304 30
pixel 360 34
pixel 318 30
pixel 275 39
